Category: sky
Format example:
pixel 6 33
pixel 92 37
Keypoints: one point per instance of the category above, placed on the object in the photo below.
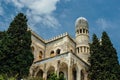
pixel 49 18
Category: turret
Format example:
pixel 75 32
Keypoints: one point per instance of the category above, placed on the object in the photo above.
pixel 82 38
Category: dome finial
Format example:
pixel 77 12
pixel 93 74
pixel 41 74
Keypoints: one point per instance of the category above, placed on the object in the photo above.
pixel 81 18
pixel 81 22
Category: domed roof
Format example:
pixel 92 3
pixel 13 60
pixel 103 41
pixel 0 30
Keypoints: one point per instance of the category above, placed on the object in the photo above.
pixel 81 18
pixel 81 22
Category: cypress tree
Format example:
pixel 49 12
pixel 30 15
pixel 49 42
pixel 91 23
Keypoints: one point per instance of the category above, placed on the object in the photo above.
pixel 109 65
pixel 94 59
pixel 5 45
pixel 20 56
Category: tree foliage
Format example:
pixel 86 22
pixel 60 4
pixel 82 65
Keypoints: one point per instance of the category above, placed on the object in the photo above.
pixel 16 48
pixel 103 60
pixel 110 64
pixel 94 58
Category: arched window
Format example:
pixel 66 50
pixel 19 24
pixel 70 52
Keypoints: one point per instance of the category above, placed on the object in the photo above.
pixel 51 53
pixel 40 55
pixel 58 51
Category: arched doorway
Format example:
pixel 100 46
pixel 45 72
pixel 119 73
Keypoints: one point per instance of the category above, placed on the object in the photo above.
pixel 40 74
pixel 74 73
pixel 63 70
pixel 50 71
pixel 82 74
pixel 61 73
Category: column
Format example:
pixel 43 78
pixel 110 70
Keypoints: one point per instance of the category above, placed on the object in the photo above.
pixel 83 49
pixel 69 73
pixel 57 71
pixel 45 75
pixel 78 74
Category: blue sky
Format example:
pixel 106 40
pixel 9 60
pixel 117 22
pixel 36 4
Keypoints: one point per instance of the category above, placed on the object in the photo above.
pixel 49 18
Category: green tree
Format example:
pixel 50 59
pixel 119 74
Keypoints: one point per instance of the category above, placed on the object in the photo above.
pixel 20 56
pixel 110 64
pixel 94 59
pixel 5 44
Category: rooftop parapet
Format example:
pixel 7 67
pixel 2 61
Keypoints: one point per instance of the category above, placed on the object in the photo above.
pixel 57 37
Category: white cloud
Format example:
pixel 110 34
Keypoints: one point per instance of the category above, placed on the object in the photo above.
pixel 104 24
pixel 38 11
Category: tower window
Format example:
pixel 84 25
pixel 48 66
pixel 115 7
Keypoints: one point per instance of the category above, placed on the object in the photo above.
pixel 86 31
pixel 80 30
pixel 77 31
pixel 83 30
pixel 78 50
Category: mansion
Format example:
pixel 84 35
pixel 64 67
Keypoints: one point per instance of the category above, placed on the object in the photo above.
pixel 62 54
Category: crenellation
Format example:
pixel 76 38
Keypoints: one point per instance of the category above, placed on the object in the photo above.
pixel 57 37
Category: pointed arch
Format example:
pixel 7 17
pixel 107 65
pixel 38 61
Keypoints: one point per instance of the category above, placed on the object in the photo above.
pixel 40 73
pixel 51 70
pixel 74 72
pixel 63 69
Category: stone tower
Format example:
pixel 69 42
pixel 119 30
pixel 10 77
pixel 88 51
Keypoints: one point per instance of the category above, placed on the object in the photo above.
pixel 82 38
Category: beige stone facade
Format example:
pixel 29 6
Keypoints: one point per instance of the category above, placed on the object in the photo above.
pixel 62 54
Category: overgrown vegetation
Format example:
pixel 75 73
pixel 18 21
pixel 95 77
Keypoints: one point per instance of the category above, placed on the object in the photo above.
pixel 53 76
